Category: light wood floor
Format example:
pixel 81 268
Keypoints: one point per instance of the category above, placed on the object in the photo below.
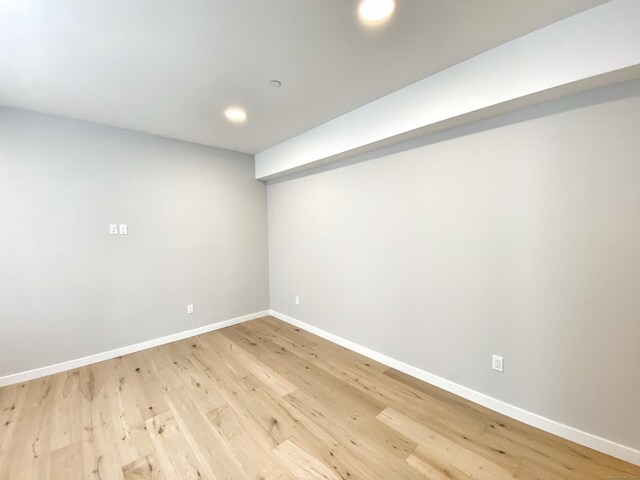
pixel 264 400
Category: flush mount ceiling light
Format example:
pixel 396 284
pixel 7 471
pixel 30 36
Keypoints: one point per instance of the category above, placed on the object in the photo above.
pixel 275 83
pixel 376 11
pixel 235 114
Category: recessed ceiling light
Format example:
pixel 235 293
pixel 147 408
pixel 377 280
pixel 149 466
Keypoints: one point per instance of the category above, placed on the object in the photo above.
pixel 375 11
pixel 235 114
pixel 275 83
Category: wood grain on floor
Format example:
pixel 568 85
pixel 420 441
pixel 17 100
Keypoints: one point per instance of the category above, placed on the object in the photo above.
pixel 265 400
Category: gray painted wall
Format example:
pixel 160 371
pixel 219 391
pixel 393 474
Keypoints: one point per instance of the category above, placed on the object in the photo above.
pixel 517 236
pixel 197 234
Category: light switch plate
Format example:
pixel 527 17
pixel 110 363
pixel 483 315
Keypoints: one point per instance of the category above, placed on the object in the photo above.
pixel 123 229
pixel 113 229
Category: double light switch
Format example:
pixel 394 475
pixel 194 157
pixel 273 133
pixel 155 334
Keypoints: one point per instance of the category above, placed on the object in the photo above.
pixel 115 229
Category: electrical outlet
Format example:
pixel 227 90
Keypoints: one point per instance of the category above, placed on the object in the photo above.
pixel 190 309
pixel 497 363
pixel 123 229
pixel 297 300
pixel 113 229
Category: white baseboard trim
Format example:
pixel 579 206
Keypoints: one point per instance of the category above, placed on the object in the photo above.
pixel 600 444
pixel 100 357
pixel 595 442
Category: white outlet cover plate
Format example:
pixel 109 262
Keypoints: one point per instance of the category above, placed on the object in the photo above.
pixel 497 363
pixel 124 230
pixel 189 309
pixel 113 229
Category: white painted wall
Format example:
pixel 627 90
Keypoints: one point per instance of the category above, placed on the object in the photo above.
pixel 517 236
pixel 197 234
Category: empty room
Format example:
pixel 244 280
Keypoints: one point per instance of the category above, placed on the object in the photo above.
pixel 320 239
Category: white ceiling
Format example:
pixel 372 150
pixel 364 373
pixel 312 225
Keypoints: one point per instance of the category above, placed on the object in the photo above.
pixel 170 67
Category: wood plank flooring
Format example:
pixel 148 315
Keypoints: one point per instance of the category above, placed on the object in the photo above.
pixel 265 400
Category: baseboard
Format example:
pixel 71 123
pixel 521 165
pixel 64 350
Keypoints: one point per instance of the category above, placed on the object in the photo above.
pixel 570 433
pixel 595 442
pixel 100 357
